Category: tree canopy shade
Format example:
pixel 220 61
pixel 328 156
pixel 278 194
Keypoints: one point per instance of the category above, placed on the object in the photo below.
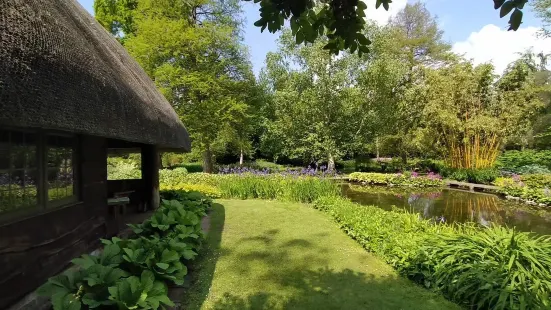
pixel 343 21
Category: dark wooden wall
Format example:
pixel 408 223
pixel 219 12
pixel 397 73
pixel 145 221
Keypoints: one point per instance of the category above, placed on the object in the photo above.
pixel 40 246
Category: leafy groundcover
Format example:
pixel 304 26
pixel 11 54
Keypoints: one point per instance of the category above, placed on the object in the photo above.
pixel 134 273
pixel 491 268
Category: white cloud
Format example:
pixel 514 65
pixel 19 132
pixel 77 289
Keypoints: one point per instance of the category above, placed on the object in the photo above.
pixel 499 46
pixel 380 15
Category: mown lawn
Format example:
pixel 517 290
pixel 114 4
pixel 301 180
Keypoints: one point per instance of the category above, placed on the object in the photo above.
pixel 273 255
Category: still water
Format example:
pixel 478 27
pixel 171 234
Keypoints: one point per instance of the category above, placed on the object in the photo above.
pixel 454 206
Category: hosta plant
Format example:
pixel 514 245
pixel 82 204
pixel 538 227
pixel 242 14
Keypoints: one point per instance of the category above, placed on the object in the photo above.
pixel 132 273
pixel 162 257
pixel 142 292
pixel 87 286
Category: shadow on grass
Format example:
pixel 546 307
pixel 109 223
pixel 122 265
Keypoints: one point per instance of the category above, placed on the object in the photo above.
pixel 202 270
pixel 272 270
pixel 330 289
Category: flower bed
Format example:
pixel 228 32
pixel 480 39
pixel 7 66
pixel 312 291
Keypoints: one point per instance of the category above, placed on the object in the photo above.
pixel 398 179
pixel 533 189
pixel 134 273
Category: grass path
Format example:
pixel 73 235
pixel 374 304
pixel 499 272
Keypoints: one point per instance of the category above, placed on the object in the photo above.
pixel 274 255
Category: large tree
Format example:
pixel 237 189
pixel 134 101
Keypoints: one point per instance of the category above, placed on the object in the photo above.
pixel 542 8
pixel 414 42
pixel 343 21
pixel 314 102
pixel 192 50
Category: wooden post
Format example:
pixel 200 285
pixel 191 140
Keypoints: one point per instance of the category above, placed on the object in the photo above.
pixel 150 175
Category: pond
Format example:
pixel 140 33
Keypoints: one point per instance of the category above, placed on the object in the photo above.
pixel 454 206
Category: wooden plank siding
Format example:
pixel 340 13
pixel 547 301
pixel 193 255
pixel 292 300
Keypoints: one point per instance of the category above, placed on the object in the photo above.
pixel 37 247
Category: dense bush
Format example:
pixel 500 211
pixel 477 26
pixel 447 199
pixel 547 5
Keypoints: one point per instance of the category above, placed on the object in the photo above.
pixel 133 273
pixel 399 179
pixel 536 180
pixel 123 171
pixel 532 187
pixel 172 176
pixel 494 268
pixel 205 189
pixel 533 169
pixel 479 176
pixel 192 167
pixel 393 165
pixel 515 161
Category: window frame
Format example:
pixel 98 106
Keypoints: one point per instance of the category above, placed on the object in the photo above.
pixel 75 197
pixel 42 204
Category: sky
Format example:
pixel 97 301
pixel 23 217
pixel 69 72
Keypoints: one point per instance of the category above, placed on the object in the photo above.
pixel 473 28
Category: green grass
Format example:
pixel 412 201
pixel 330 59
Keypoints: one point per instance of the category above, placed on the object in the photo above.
pixel 274 255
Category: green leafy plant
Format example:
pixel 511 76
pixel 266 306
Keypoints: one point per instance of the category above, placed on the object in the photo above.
pixel 532 187
pixel 89 284
pixel 496 268
pixel 205 189
pixel 492 268
pixel 142 292
pixel 131 273
pixel 161 256
pixel 406 179
pixel 479 176
pixel 516 161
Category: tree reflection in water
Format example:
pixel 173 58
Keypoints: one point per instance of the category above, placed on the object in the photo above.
pixel 453 206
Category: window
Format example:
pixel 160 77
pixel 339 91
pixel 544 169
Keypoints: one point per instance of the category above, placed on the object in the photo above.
pixel 124 166
pixel 18 171
pixel 59 169
pixel 36 171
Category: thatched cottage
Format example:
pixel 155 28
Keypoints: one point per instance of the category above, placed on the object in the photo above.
pixel 69 92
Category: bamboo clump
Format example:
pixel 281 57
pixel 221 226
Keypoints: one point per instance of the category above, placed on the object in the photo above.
pixel 472 147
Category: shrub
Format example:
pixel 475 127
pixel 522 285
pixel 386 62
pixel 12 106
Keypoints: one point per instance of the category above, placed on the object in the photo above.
pixel 200 178
pixel 205 189
pixel 192 167
pixel 533 187
pixel 494 268
pixel 533 169
pixel 393 165
pixel 407 179
pixel 132 273
pixel 480 176
pixel 537 180
pixel 513 161
pixel 123 171
pixel 170 177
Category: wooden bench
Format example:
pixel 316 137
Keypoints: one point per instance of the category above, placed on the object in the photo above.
pixel 117 206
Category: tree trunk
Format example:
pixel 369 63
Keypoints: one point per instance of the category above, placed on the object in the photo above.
pixel 330 163
pixel 404 158
pixel 241 158
pixel 208 165
pixel 377 146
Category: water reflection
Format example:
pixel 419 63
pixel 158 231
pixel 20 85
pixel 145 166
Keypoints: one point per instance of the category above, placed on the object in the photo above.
pixel 454 206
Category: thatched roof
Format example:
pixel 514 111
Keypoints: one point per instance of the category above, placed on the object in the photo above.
pixel 59 69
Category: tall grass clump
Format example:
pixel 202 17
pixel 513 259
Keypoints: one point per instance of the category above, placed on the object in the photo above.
pixel 497 268
pixel 287 188
pixel 493 268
